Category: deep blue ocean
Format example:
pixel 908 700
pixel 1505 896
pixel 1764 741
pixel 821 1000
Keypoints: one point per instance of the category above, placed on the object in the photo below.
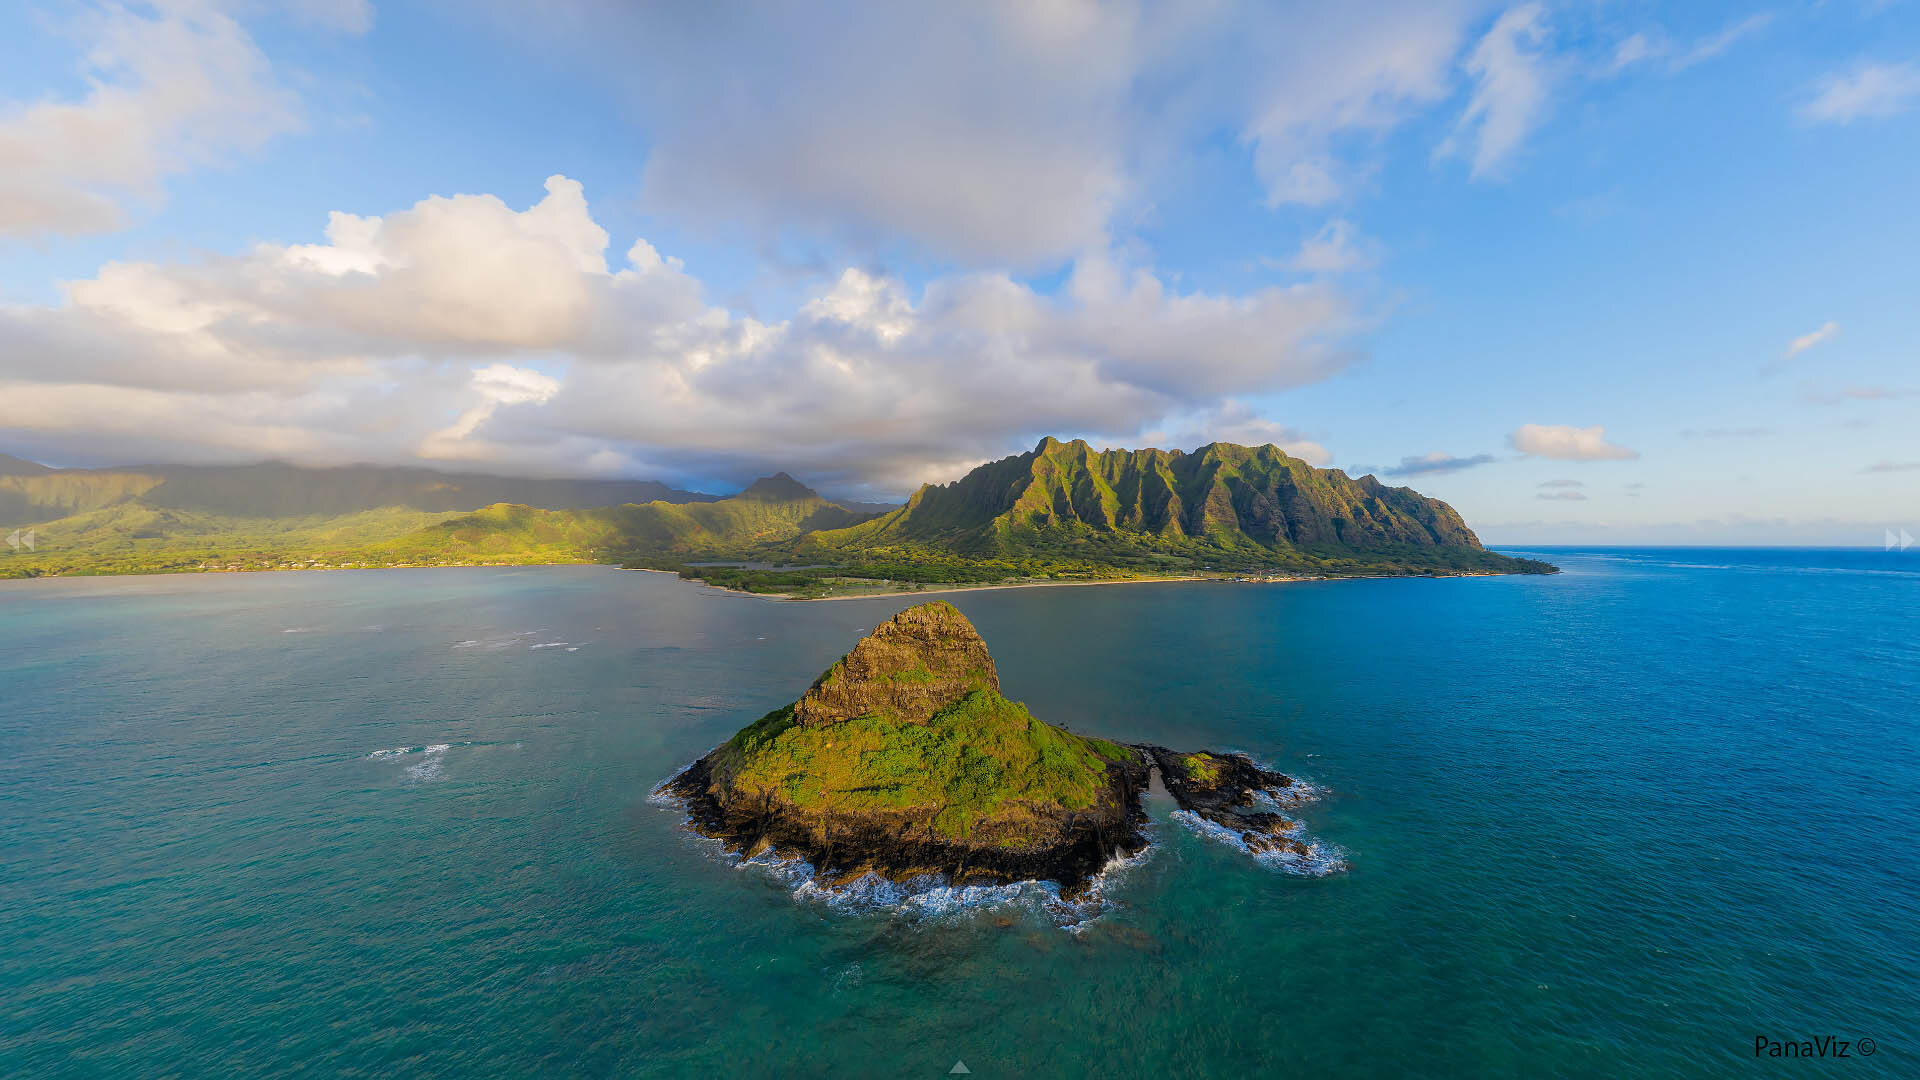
pixel 1622 821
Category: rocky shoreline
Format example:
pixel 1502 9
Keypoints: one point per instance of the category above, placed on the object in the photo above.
pixel 1239 798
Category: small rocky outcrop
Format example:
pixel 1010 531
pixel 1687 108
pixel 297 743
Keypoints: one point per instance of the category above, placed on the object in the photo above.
pixel 1234 793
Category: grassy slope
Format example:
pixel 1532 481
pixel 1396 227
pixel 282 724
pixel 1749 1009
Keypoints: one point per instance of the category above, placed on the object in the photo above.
pixel 653 528
pixel 982 759
pixel 1068 510
pixel 135 538
pixel 132 536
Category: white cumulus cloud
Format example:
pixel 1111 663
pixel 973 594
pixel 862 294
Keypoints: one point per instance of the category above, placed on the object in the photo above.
pixel 1568 443
pixel 462 328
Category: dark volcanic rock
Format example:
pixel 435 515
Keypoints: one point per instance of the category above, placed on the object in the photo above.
pixel 1232 792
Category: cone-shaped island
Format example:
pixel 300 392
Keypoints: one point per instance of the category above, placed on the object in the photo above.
pixel 904 759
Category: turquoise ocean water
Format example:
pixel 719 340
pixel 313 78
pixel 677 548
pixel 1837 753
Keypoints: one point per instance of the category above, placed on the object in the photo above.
pixel 1617 822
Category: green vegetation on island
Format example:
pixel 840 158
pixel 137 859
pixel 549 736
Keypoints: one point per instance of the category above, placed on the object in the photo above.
pixel 905 759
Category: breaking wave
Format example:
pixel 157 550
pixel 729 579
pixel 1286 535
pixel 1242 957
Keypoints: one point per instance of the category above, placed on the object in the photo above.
pixel 927 898
pixel 1319 860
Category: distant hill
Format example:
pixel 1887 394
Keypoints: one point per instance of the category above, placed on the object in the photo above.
pixel 13 466
pixel 32 493
pixel 772 509
pixel 1237 504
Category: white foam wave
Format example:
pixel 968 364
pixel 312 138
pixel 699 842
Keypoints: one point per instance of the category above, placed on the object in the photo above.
pixel 1319 860
pixel 550 645
pixel 1275 800
pixel 432 763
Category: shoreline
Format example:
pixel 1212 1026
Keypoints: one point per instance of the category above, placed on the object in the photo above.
pixel 942 588
pixel 945 588
pixel 790 598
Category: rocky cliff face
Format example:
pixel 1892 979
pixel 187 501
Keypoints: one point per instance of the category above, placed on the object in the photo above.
pixel 1221 495
pixel 921 660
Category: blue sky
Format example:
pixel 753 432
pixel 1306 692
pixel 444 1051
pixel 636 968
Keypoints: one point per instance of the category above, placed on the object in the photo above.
pixel 1593 272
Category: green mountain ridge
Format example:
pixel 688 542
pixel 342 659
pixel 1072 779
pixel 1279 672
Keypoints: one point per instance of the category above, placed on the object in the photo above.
pixel 1062 511
pixel 1222 496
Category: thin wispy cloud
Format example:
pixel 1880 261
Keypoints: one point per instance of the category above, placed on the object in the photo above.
pixel 1809 340
pixel 1512 74
pixel 1713 45
pixel 1856 393
pixel 1562 496
pixel 1649 46
pixel 1864 92
pixel 1436 462
pixel 1562 483
pixel 1337 248
pixel 1893 466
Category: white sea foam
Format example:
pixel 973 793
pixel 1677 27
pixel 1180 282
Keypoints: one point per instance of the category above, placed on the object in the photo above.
pixel 1277 800
pixel 924 898
pixel 431 763
pixel 930 897
pixel 1319 860
pixel 550 645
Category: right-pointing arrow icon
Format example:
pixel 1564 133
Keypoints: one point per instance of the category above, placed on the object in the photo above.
pixel 1906 541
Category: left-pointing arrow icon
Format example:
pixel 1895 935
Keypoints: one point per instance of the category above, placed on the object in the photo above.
pixel 13 540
